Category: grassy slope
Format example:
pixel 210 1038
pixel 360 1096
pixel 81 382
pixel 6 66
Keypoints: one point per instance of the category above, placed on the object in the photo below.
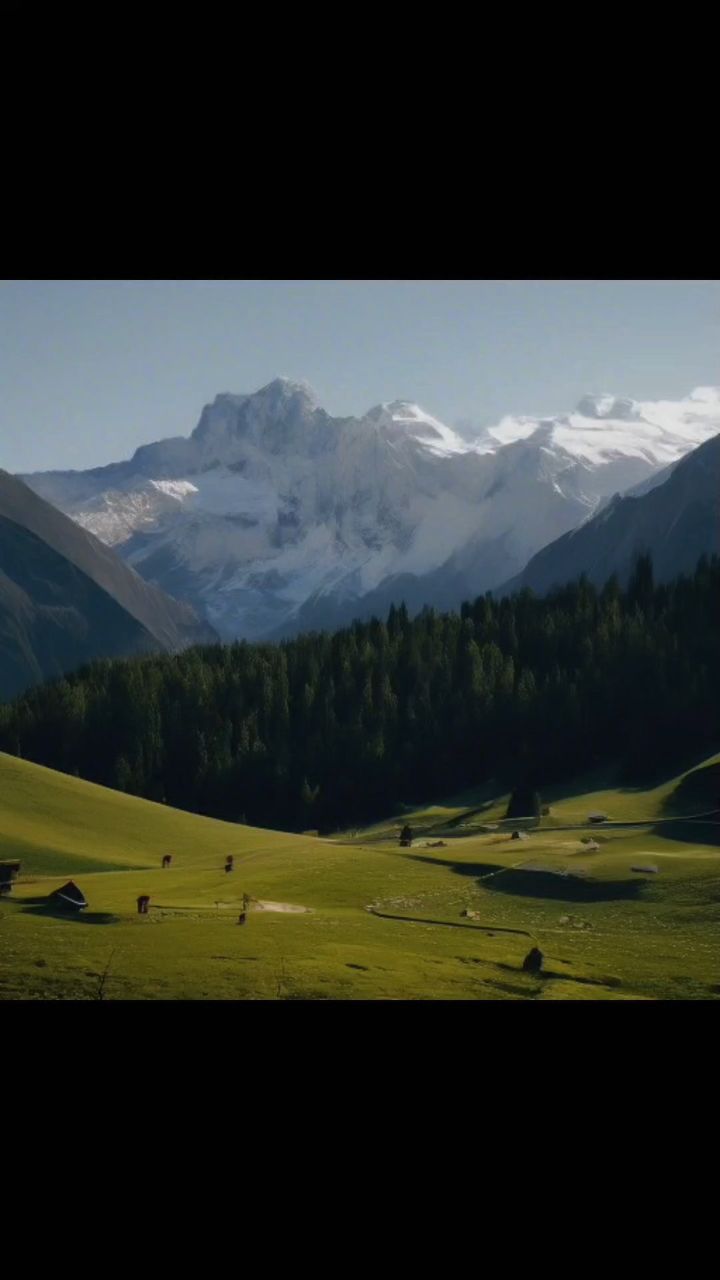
pixel 646 936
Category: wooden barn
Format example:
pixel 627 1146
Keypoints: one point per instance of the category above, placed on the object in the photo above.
pixel 68 897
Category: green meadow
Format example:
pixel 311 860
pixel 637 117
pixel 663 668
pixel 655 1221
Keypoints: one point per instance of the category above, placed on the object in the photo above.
pixel 357 917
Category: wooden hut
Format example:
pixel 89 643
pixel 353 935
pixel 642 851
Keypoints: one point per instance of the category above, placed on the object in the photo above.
pixel 8 873
pixel 533 961
pixel 68 897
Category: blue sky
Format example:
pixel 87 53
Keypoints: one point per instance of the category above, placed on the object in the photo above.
pixel 89 370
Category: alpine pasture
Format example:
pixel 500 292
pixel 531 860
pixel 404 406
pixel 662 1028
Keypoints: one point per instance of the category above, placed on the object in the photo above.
pixel 634 915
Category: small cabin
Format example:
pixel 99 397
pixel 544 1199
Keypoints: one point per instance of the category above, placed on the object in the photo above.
pixel 533 961
pixel 143 903
pixel 68 897
pixel 8 873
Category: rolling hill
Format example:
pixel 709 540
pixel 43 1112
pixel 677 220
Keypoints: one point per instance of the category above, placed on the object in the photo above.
pixel 358 917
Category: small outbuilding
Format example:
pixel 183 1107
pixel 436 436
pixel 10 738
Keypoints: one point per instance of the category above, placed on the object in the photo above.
pixel 8 873
pixel 533 961
pixel 143 903
pixel 68 897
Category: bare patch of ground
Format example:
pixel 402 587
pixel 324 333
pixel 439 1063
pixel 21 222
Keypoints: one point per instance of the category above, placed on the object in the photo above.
pixel 279 906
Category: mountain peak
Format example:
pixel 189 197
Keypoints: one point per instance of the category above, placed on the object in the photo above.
pixel 404 417
pixel 279 405
pixel 706 395
pixel 397 411
pixel 607 406
pixel 282 388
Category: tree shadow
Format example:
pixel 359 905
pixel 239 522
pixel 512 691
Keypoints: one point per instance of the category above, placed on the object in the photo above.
pixel 690 832
pixel 697 792
pixel 522 882
pixel 40 908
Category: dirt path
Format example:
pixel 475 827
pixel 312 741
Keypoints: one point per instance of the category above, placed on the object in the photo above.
pixel 257 905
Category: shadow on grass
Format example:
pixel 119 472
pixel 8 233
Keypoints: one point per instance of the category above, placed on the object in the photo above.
pixel 541 884
pixel 40 908
pixel 492 929
pixel 698 789
pixel 690 832
pixel 697 792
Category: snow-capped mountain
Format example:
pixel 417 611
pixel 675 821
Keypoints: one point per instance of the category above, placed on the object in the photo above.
pixel 677 520
pixel 274 516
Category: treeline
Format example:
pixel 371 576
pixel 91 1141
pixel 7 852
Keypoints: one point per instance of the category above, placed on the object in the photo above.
pixel 328 730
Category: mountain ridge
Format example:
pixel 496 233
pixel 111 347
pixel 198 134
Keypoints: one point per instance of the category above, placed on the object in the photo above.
pixel 66 598
pixel 272 514
pixel 676 522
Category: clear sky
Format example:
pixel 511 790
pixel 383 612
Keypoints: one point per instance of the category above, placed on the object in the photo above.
pixel 89 370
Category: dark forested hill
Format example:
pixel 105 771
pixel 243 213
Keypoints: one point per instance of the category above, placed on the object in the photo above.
pixel 326 730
